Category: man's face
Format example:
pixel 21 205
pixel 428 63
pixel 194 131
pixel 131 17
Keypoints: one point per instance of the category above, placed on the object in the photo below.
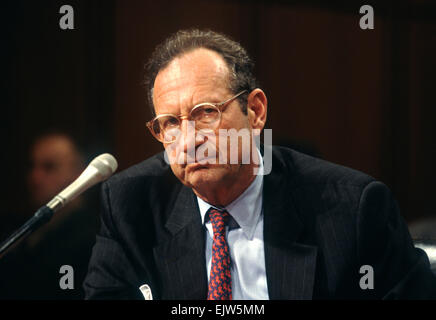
pixel 197 77
pixel 54 165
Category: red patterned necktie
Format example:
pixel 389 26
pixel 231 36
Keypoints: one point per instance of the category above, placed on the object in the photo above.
pixel 220 281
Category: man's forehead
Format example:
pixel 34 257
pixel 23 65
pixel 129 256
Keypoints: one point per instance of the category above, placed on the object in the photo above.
pixel 191 75
pixel 53 147
pixel 199 62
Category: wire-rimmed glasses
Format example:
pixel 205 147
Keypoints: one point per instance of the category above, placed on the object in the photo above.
pixel 207 116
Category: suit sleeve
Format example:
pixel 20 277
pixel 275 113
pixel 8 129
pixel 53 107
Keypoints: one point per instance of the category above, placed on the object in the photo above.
pixel 401 271
pixel 110 273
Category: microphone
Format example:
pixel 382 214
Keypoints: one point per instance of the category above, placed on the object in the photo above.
pixel 101 168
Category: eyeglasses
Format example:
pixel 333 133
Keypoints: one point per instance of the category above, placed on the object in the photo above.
pixel 207 116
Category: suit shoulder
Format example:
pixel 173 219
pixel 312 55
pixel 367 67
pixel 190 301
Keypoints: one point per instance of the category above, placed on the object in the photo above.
pixel 308 170
pixel 154 166
pixel 132 192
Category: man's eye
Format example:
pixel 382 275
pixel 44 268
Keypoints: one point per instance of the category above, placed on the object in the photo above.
pixel 49 166
pixel 170 122
pixel 209 110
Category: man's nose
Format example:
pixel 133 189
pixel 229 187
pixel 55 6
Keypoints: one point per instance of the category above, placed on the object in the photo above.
pixel 191 139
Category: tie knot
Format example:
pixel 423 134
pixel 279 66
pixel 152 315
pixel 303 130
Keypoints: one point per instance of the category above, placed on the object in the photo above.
pixel 218 218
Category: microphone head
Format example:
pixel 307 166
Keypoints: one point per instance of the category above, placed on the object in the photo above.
pixel 106 165
pixel 101 168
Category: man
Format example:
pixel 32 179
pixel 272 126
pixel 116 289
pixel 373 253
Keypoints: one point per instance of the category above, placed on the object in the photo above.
pixel 199 228
pixel 33 267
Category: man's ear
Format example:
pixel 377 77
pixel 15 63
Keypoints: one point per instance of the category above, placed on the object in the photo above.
pixel 257 109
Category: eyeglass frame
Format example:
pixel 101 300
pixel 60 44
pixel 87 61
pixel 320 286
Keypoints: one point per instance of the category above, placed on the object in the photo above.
pixel 218 105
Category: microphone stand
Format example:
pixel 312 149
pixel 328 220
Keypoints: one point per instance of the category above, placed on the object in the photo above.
pixel 42 216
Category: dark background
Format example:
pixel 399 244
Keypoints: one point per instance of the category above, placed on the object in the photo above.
pixel 360 98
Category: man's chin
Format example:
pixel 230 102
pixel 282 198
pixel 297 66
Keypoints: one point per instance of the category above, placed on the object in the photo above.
pixel 203 175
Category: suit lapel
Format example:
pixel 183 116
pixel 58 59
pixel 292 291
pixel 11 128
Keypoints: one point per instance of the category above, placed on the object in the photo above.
pixel 290 265
pixel 181 258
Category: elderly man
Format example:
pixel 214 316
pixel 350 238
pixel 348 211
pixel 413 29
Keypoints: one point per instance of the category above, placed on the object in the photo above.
pixel 196 225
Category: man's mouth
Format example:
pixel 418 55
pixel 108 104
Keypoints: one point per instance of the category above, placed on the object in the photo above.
pixel 201 163
pixel 190 167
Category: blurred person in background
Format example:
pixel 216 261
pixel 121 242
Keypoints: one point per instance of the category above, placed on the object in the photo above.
pixel 55 163
pixel 31 270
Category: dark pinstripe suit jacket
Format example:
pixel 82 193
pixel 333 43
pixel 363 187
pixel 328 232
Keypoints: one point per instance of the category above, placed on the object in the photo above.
pixel 322 222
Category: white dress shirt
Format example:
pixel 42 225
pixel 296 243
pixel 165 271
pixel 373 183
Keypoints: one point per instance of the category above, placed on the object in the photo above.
pixel 245 242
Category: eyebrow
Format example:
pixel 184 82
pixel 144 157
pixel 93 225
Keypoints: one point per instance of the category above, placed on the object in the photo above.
pixel 211 100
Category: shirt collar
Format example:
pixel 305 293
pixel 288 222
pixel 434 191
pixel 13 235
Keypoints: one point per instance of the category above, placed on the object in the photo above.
pixel 247 208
